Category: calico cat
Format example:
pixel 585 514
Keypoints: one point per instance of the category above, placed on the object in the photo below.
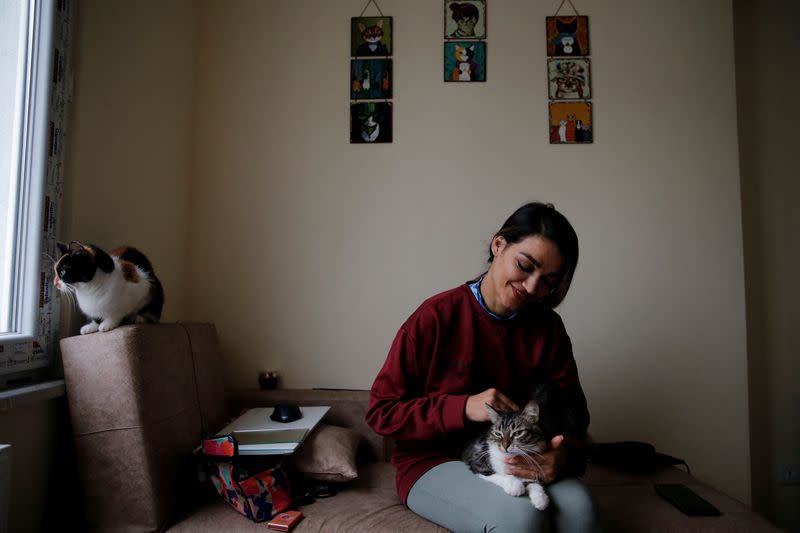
pixel 510 434
pixel 372 45
pixel 466 68
pixel 111 289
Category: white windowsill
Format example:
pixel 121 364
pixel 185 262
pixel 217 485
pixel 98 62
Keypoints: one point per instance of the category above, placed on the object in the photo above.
pixel 32 394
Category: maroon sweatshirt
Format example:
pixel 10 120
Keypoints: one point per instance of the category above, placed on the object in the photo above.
pixel 451 348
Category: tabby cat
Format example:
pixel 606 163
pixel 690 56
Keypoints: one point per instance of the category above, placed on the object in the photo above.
pixel 111 289
pixel 510 434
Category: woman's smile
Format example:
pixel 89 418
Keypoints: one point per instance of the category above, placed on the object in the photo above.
pixel 520 273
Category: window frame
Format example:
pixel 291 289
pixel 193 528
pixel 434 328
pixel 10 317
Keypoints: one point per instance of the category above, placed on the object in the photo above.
pixel 29 165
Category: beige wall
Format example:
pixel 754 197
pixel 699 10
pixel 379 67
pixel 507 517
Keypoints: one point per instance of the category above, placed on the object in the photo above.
pixel 130 134
pixel 36 433
pixel 127 174
pixel 311 252
pixel 766 42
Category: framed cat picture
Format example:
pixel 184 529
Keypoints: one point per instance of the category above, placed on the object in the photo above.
pixel 571 123
pixel 567 36
pixel 465 19
pixel 371 36
pixel 371 123
pixel 464 61
pixel 569 79
pixel 370 79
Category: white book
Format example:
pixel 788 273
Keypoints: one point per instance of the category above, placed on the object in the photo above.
pixel 257 434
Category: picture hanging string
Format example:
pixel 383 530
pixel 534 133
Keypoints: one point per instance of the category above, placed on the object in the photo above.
pixel 379 7
pixel 557 10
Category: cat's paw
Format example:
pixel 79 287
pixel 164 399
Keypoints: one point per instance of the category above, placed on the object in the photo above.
pixel 91 327
pixel 510 485
pixel 513 487
pixel 107 325
pixel 538 496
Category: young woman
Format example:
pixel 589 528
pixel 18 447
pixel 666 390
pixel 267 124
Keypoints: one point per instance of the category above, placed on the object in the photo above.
pixel 487 342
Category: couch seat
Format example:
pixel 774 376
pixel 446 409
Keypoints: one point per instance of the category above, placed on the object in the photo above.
pixel 368 504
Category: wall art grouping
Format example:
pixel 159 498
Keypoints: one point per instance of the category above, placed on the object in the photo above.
pixel 465 40
pixel 569 78
pixel 569 82
pixel 371 79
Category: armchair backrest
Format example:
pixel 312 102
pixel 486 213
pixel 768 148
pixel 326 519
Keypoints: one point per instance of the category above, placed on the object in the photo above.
pixel 141 397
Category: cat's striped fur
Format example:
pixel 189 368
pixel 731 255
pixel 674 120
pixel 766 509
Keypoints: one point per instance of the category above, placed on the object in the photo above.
pixel 510 434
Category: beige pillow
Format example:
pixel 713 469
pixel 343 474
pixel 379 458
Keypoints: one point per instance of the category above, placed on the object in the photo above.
pixel 328 454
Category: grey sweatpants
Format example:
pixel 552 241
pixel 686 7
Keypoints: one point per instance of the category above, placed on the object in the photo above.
pixel 455 498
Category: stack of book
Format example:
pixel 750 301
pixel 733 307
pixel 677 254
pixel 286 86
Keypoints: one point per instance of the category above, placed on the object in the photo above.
pixel 257 434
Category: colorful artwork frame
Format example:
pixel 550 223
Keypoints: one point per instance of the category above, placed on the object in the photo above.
pixel 370 122
pixel 371 79
pixel 571 123
pixel 465 19
pixel 464 61
pixel 569 78
pixel 366 47
pixel 567 36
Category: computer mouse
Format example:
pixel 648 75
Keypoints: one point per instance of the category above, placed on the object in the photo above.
pixel 286 413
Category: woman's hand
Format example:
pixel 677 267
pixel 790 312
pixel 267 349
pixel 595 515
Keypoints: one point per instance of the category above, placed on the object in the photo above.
pixel 551 462
pixel 476 405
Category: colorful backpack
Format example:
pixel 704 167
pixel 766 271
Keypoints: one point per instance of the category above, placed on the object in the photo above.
pixel 250 484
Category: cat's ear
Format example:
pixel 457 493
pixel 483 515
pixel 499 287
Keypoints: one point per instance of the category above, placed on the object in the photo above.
pixel 379 23
pixel 494 414
pixel 361 27
pixel 531 411
pixel 76 247
pixel 103 260
pixel 63 248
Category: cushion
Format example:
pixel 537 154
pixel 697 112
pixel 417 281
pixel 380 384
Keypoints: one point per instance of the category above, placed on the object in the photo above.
pixel 328 454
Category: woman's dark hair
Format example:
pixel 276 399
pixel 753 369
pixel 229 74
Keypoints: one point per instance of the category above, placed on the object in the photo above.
pixel 464 11
pixel 542 219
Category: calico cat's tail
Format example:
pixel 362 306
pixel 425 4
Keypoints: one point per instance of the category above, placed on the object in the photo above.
pixel 151 313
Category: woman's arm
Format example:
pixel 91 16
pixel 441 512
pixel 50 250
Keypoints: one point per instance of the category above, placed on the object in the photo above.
pixel 568 417
pixel 570 402
pixel 398 406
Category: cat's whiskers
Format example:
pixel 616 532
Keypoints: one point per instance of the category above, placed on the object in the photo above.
pixel 69 294
pixel 70 297
pixel 531 460
pixel 537 454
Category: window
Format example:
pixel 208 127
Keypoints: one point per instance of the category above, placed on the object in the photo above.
pixel 26 50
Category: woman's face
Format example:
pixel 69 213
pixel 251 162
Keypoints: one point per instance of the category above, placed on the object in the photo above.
pixel 466 26
pixel 521 273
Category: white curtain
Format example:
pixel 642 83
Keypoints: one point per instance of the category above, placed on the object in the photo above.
pixel 39 353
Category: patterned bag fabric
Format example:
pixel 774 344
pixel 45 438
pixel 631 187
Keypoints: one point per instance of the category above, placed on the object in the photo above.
pixel 256 490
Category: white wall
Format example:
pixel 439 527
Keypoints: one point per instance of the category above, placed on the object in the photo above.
pixel 309 252
pixel 130 134
pixel 767 42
